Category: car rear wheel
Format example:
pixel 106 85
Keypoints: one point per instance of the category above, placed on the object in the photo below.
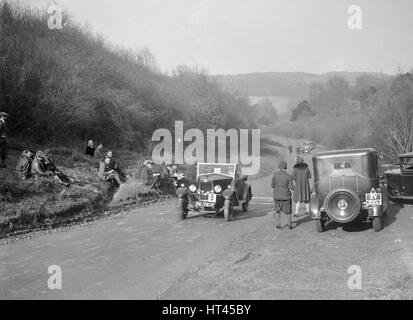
pixel 228 210
pixel 183 207
pixel 378 224
pixel 320 225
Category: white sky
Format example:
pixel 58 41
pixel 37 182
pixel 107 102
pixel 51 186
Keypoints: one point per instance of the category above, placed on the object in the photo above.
pixel 239 36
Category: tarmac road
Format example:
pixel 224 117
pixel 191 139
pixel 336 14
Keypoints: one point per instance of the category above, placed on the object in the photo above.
pixel 137 255
pixel 151 253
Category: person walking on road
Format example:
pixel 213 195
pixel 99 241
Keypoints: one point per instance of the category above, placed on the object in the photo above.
pixel 302 191
pixel 281 185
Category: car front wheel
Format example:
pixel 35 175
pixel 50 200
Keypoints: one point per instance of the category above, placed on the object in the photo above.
pixel 245 206
pixel 320 225
pixel 378 224
pixel 183 208
pixel 228 210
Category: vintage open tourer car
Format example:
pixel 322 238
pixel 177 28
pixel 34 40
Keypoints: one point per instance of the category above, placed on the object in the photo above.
pixel 400 180
pixel 346 187
pixel 218 188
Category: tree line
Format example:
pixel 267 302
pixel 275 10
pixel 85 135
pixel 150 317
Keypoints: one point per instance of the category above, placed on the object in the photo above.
pixel 69 85
pixel 372 112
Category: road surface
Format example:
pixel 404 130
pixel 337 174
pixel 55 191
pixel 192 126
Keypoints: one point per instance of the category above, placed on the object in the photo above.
pixel 150 253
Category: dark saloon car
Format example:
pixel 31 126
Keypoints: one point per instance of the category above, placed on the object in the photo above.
pixel 218 189
pixel 400 180
pixel 347 188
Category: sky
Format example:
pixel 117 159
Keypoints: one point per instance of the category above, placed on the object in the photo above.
pixel 242 36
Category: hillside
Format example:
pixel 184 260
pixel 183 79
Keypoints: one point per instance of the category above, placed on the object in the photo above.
pixel 69 85
pixel 290 84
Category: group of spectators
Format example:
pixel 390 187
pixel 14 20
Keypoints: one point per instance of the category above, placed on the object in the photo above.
pixel 111 171
pixel 40 164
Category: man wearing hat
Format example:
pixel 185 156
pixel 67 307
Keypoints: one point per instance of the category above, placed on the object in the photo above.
pixel 23 164
pixel 3 138
pixel 281 185
pixel 150 178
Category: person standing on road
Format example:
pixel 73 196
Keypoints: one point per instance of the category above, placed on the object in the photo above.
pixel 3 138
pixel 281 185
pixel 302 192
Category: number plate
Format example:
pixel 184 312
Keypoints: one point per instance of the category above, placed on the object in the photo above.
pixel 373 199
pixel 205 204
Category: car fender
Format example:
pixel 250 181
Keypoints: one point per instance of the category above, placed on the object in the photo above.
pixel 315 206
pixel 181 192
pixel 227 194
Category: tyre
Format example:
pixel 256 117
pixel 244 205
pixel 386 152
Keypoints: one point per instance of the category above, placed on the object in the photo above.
pixel 378 224
pixel 320 225
pixel 183 208
pixel 342 205
pixel 245 206
pixel 228 210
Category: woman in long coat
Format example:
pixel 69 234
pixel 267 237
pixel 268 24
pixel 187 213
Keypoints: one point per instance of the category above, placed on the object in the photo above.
pixel 302 191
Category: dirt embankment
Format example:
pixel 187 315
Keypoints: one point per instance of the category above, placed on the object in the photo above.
pixel 44 204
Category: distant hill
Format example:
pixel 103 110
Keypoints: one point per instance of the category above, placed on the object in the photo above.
pixel 286 84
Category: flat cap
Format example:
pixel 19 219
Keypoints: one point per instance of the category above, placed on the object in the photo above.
pixel 4 114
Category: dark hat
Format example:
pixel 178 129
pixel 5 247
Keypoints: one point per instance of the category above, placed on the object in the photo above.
pixel 4 114
pixel 282 165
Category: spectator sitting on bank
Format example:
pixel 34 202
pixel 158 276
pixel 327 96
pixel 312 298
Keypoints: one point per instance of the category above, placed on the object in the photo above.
pixel 173 169
pixel 149 177
pixel 98 155
pixel 38 166
pixel 50 166
pixel 90 149
pixel 23 165
pixel 111 171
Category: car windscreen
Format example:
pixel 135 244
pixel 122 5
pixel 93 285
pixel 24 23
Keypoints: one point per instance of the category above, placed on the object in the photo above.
pixel 216 168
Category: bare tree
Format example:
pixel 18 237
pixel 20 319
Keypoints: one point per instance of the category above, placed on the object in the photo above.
pixel 391 117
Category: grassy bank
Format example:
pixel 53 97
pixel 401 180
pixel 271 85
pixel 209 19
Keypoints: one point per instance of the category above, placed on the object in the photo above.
pixel 28 205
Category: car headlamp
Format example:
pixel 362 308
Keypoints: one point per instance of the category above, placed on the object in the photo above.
pixel 217 188
pixel 192 188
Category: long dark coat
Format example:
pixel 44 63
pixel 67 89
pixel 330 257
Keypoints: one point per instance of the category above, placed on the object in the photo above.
pixel 301 175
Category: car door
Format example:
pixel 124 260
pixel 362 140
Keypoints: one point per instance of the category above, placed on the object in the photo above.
pixel 407 179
